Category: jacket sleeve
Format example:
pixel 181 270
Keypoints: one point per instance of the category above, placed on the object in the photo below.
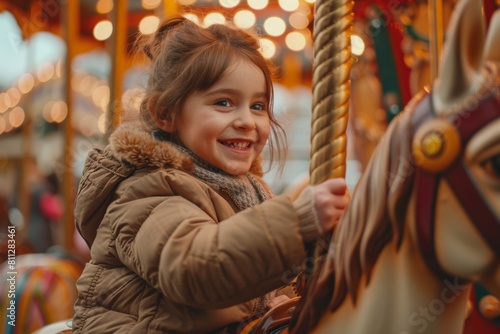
pixel 196 260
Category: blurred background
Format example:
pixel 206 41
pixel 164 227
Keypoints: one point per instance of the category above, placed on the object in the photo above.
pixel 68 71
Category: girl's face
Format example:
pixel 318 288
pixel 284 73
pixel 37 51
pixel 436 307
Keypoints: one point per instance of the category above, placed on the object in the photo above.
pixel 228 124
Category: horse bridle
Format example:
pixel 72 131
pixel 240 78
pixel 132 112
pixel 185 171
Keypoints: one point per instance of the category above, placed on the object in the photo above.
pixel 465 125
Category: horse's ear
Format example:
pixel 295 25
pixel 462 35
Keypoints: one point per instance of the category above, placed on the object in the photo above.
pixel 462 57
pixel 492 46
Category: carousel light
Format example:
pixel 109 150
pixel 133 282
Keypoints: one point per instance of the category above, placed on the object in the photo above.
pixel 357 45
pixel 104 6
pixel 59 111
pixel 103 30
pixel 150 4
pixel 214 18
pixel 298 20
pixel 12 97
pixel 26 83
pixel 45 72
pixel 267 48
pixel 192 17
pixel 149 24
pixel 304 8
pixel 229 3
pixel 244 19
pixel 295 41
pixel 288 5
pixel 186 2
pixel 16 117
pixel 257 4
pixel 274 26
pixel 310 1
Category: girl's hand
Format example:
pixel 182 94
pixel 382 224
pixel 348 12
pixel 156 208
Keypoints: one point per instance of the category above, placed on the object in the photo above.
pixel 330 200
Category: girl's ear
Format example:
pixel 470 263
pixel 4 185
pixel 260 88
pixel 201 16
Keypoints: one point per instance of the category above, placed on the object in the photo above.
pixel 164 123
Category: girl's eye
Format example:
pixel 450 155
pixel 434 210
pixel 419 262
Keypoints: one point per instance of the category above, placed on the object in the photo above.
pixel 259 106
pixel 223 103
pixel 492 166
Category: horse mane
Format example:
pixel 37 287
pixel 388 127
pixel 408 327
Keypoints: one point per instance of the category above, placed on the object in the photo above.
pixel 374 216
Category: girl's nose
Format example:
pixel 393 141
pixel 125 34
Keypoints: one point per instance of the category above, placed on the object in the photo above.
pixel 245 119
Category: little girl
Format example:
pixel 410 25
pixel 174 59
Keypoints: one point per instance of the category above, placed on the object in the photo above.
pixel 185 236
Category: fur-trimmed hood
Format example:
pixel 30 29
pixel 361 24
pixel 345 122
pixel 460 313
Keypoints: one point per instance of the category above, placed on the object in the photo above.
pixel 131 147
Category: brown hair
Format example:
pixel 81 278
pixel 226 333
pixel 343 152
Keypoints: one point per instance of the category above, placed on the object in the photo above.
pixel 186 58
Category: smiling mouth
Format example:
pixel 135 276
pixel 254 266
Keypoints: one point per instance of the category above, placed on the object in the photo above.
pixel 240 145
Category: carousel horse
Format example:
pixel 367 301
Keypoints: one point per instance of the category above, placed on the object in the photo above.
pixel 39 289
pixel 424 220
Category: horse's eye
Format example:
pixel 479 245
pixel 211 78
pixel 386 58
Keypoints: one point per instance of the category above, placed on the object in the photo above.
pixel 492 165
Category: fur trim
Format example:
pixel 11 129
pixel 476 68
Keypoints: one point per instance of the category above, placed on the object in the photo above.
pixel 132 143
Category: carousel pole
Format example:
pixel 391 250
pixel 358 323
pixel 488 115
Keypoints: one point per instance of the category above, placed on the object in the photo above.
pixel 331 88
pixel 435 10
pixel 71 24
pixel 117 50
pixel 331 91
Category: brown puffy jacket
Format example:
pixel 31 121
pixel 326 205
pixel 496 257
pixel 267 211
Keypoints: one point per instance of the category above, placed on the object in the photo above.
pixel 169 253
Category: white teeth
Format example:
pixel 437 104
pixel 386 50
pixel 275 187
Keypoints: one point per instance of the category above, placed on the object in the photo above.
pixel 238 145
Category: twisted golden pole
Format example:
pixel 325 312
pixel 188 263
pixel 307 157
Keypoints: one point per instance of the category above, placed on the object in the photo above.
pixel 332 66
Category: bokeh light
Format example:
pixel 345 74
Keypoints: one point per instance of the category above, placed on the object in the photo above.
pixel 229 3
pixel 357 45
pixel 267 48
pixel 289 5
pixel 298 20
pixel 295 41
pixel 103 30
pixel 186 2
pixel 149 24
pixel 58 111
pixel 104 6
pixel 257 4
pixel 274 26
pixel 214 18
pixel 45 72
pixel 16 117
pixel 150 4
pixel 26 83
pixel 192 17
pixel 12 97
pixel 244 19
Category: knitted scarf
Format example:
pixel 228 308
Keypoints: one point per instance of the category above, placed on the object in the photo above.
pixel 245 190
